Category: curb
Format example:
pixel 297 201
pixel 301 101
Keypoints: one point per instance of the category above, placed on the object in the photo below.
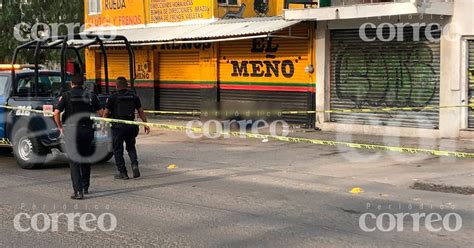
pixel 463 190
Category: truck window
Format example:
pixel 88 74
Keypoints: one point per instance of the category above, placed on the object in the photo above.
pixel 55 85
pixel 48 86
pixel 3 84
pixel 25 87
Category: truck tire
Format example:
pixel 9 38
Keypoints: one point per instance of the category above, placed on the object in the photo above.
pixel 102 153
pixel 106 158
pixel 28 152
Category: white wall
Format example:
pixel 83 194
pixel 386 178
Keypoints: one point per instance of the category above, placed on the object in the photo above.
pixel 453 68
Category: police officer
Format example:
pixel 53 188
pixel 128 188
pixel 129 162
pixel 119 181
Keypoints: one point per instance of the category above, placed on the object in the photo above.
pixel 122 105
pixel 78 132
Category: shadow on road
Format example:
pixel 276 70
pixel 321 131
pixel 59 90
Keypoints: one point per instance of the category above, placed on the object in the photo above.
pixel 163 175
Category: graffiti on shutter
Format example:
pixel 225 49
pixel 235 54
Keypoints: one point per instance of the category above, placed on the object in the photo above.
pixel 384 74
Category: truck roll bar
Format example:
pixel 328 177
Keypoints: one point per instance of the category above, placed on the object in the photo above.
pixel 65 43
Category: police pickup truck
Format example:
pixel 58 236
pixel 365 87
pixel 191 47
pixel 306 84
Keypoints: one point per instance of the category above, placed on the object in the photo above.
pixel 28 95
pixel 26 120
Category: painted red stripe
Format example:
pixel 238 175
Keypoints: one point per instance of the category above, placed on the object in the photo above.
pixel 111 84
pixel 137 85
pixel 145 85
pixel 225 87
pixel 268 88
pixel 172 86
pixel 186 86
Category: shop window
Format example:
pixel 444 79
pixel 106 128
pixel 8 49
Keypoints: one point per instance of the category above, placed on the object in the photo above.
pixel 228 2
pixel 95 7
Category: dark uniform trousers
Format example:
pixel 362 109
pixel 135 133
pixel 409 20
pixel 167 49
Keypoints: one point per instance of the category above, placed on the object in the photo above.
pixel 78 141
pixel 124 133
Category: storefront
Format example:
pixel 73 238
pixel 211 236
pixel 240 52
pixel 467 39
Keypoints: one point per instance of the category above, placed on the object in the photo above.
pixel 203 55
pixel 373 73
pixel 118 66
pixel 257 64
pixel 274 74
pixel 178 86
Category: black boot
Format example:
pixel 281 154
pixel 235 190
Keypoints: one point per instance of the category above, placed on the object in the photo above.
pixel 122 176
pixel 77 196
pixel 136 171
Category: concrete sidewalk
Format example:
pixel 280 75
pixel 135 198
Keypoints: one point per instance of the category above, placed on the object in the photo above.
pixel 438 173
pixel 417 171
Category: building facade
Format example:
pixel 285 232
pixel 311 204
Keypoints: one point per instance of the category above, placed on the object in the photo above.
pixel 397 67
pixel 410 57
pixel 190 56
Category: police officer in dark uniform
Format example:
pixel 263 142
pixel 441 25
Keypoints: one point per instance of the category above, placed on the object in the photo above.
pixel 78 104
pixel 122 105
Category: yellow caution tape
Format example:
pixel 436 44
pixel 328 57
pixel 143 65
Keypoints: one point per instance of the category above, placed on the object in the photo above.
pixel 25 110
pixel 195 113
pixel 172 112
pixel 158 125
pixel 357 110
pixel 379 110
pixel 285 139
pixel 305 140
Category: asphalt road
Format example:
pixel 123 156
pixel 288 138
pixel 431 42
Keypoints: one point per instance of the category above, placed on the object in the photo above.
pixel 225 193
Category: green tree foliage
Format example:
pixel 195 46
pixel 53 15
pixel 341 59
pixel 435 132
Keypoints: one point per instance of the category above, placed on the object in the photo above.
pixel 13 12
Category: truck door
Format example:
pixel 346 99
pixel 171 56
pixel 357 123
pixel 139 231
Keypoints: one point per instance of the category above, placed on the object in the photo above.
pixel 30 96
pixel 3 96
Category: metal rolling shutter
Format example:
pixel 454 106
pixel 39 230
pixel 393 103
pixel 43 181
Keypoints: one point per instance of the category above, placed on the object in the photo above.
pixel 471 82
pixel 384 74
pixel 178 69
pixel 118 65
pixel 287 100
